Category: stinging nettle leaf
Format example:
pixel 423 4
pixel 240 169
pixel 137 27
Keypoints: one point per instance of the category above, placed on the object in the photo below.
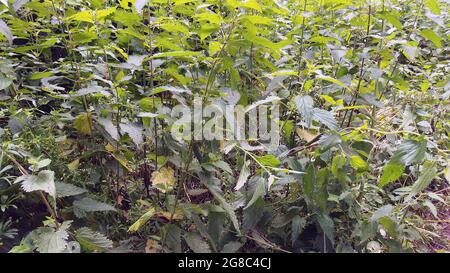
pixel 197 243
pixel 65 189
pixel 48 240
pixel 305 106
pixel 90 240
pixel 260 191
pixel 391 172
pixel 87 204
pixel 325 117
pixel 43 181
pixel 426 176
pixel 410 151
pixel 135 131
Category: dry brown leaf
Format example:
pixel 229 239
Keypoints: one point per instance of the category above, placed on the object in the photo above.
pixel 152 246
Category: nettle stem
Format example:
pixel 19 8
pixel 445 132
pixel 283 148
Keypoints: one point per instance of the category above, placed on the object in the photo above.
pixel 361 73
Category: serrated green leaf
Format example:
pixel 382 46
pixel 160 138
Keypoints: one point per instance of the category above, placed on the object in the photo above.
pixel 92 241
pixel 268 160
pixel 197 243
pixel 391 172
pixel 305 106
pixel 358 163
pixel 43 181
pixel 426 176
pixel 410 152
pixel 65 190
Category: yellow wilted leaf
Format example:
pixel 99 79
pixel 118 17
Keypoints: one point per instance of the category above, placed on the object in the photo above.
pixel 142 220
pixel 73 165
pixel 120 158
pixel 178 215
pixel 110 148
pixel 306 135
pixel 164 179
pixel 123 161
pixel 83 123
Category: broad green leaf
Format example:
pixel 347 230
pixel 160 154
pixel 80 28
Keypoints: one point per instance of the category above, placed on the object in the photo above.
pixel 432 36
pixel 268 160
pixel 327 141
pixel 337 163
pixel 305 106
pixel 325 117
pixel 90 240
pixel 131 33
pixel 102 14
pixel 332 80
pixel 327 225
pixel 433 6
pixel 43 181
pixel 410 152
pixel 83 123
pixel 384 211
pixel 208 183
pixel 197 243
pixel 426 176
pixel 84 37
pixel 391 172
pixel 358 163
pixel 87 204
pixel 260 191
pixel 126 18
pixel 173 238
pixel 134 131
pixel 392 19
pixel 231 247
pixel 297 226
pixel 253 214
pixel 82 16
pixel 209 17
pixel 175 27
pixel 214 47
pixel 66 189
pixel 256 19
pixel 40 75
pixel 48 240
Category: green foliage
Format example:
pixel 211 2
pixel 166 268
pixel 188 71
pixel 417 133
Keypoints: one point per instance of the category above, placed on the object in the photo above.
pixel 86 139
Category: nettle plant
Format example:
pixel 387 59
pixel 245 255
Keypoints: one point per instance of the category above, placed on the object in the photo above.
pixel 89 160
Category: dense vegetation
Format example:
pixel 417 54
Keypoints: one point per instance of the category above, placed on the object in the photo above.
pixel 88 161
